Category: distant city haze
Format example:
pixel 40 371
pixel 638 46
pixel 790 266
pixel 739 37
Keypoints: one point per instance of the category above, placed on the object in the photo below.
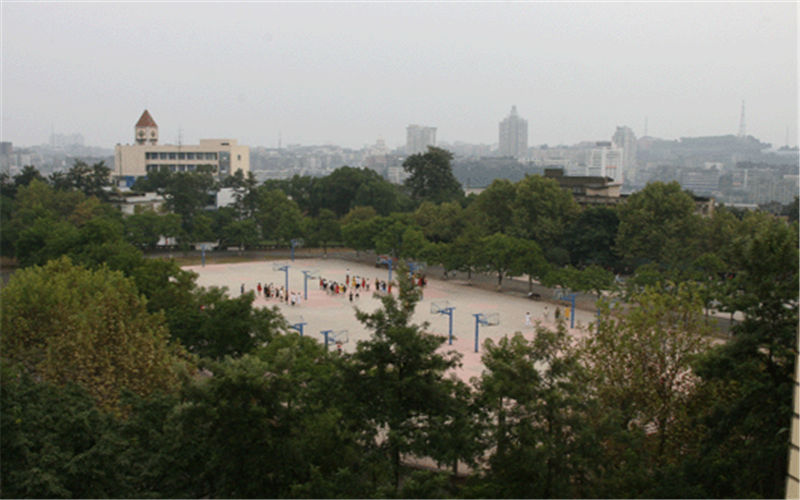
pixel 350 74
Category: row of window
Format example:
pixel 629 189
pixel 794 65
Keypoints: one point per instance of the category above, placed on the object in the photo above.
pixel 171 168
pixel 179 156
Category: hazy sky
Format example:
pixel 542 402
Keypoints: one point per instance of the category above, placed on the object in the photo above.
pixel 350 73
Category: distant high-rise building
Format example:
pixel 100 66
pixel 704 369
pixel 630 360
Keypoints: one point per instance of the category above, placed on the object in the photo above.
pixel 625 139
pixel 513 135
pixel 418 138
pixel 605 160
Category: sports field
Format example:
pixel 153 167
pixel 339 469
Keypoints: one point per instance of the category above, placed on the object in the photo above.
pixel 324 311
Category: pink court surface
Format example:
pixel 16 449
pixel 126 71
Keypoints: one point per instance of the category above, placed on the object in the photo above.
pixel 323 311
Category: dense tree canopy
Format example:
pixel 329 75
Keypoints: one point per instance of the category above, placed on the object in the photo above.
pixel 432 176
pixel 63 323
pixel 96 336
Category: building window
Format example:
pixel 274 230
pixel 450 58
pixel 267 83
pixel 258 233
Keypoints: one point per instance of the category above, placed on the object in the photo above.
pixel 239 157
pixel 190 156
pixel 162 156
pixel 211 156
pixel 181 156
pixel 172 156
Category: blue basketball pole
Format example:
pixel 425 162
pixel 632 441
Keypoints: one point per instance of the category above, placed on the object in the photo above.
pixel 389 262
pixel 298 327
pixel 449 311
pixel 306 275
pixel 203 250
pixel 285 269
pixel 294 244
pixel 326 332
pixel 479 320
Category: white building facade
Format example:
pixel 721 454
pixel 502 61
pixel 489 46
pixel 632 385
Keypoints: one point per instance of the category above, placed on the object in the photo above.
pixel 605 160
pixel 418 138
pixel 225 156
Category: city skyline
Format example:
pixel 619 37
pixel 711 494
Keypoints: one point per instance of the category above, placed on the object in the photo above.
pixel 351 74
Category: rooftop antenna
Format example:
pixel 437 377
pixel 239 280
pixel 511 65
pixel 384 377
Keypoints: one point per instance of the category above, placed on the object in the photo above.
pixel 180 137
pixel 741 123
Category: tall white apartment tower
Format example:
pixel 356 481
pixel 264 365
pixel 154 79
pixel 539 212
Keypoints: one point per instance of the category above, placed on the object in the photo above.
pixel 625 139
pixel 605 160
pixel 513 135
pixel 418 138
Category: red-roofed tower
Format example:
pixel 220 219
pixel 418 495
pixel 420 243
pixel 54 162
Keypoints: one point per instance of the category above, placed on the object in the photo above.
pixel 146 129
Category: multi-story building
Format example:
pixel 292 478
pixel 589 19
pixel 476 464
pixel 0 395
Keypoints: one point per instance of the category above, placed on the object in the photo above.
pixel 605 160
pixel 625 139
pixel 513 136
pixel 418 138
pixel 136 160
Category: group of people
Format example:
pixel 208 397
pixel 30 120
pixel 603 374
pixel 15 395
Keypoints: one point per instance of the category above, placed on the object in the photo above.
pixel 271 291
pixel 546 315
pixel 352 288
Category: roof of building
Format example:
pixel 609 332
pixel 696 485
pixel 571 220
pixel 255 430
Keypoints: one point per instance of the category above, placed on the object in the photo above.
pixel 146 120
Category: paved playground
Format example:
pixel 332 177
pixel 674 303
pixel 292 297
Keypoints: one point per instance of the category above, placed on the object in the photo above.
pixel 323 311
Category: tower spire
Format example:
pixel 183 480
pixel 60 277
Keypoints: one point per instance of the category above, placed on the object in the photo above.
pixel 742 130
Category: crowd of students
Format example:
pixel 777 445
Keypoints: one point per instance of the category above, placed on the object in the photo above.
pixel 352 288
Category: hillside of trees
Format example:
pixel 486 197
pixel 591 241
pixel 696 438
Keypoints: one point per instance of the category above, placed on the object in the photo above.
pixel 121 377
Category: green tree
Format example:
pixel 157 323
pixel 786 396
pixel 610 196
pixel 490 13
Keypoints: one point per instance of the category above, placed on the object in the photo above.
pixel 279 217
pixel 187 194
pixel 593 279
pixel 212 325
pixel 266 425
pixel 537 398
pixel 241 233
pixel 640 362
pixel 590 237
pixel 91 180
pixel 750 378
pixel 504 254
pixel 398 235
pixel 658 224
pixel 440 223
pixel 64 324
pixel 495 206
pixel 56 442
pixel 542 211
pixel 432 176
pixel 325 228
pixel 397 376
